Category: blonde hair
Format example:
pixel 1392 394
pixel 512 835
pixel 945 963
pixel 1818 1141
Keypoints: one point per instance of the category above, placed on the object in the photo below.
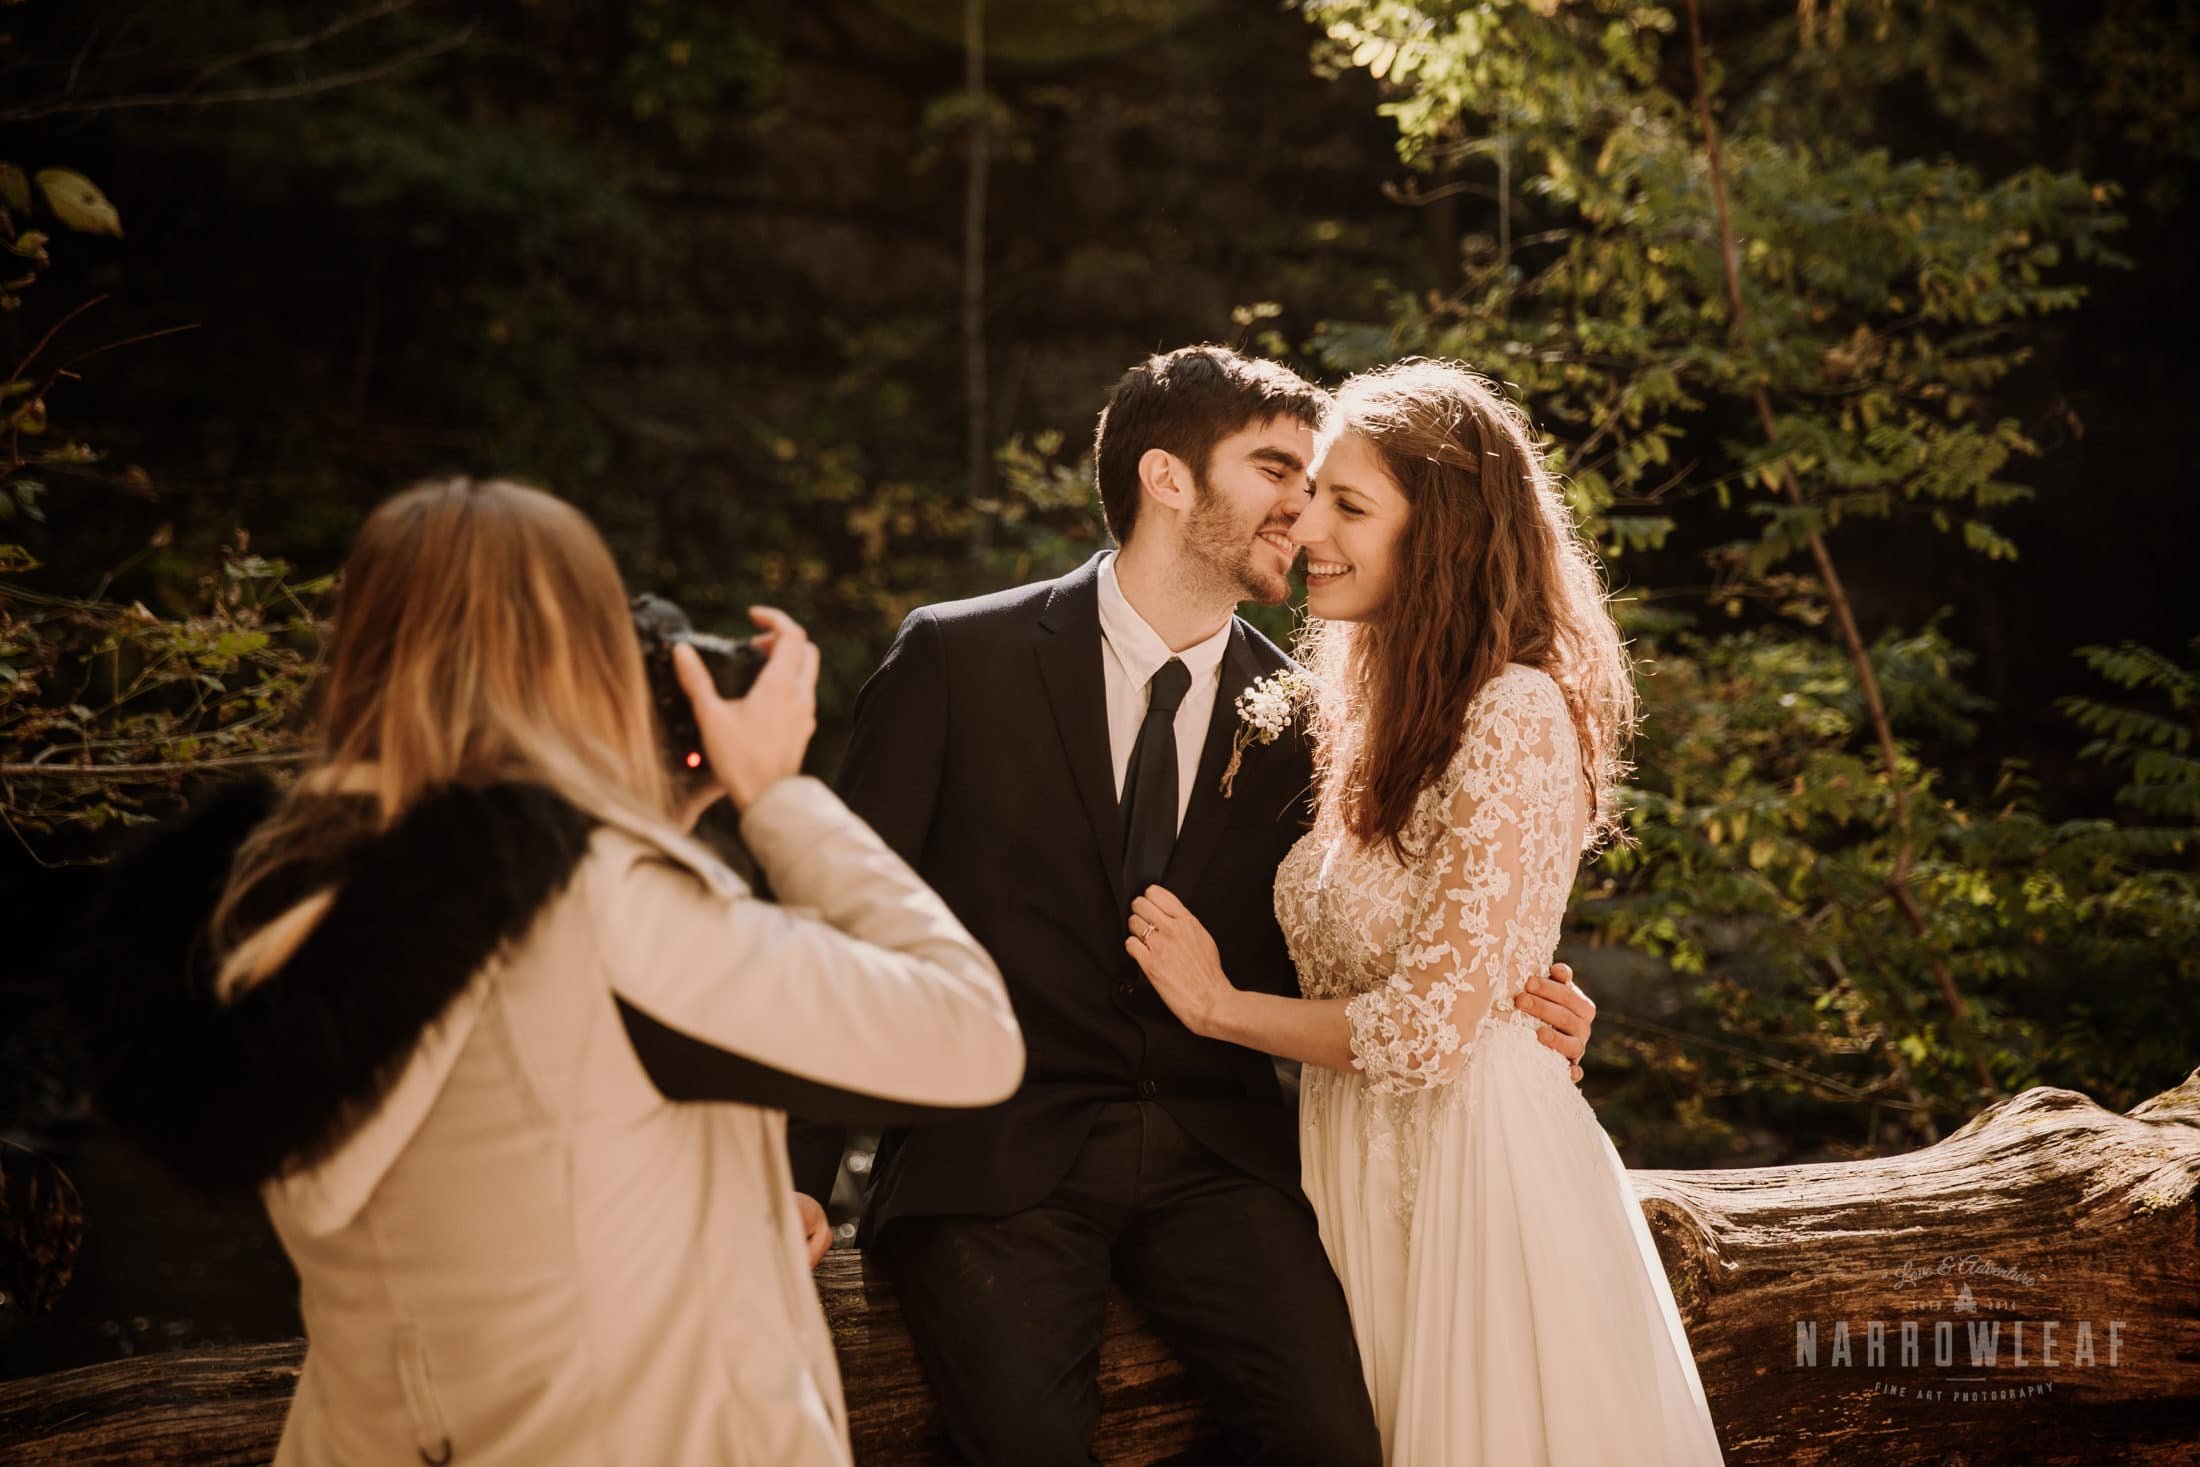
pixel 482 634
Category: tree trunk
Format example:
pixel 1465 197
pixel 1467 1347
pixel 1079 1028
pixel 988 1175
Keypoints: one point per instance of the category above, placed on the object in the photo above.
pixel 2045 1208
pixel 978 163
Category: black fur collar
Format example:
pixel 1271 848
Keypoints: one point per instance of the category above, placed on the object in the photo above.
pixel 232 1094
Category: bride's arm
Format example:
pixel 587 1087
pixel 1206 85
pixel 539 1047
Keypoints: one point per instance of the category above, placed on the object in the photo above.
pixel 1312 1030
pixel 1489 891
pixel 1510 837
pixel 1181 961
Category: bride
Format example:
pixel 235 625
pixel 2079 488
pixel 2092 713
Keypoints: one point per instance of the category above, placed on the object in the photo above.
pixel 1471 697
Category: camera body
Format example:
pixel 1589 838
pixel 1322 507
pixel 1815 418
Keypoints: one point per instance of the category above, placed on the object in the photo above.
pixel 733 665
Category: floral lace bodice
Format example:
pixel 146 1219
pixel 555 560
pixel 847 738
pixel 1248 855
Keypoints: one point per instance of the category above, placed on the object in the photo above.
pixel 1429 951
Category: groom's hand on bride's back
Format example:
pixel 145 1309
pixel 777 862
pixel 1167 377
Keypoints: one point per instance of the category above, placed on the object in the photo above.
pixel 1565 1013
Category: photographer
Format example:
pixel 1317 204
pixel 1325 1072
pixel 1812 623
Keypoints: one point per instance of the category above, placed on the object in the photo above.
pixel 412 1001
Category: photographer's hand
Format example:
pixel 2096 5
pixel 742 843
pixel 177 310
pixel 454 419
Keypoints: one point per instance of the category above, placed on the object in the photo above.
pixel 753 742
pixel 817 1230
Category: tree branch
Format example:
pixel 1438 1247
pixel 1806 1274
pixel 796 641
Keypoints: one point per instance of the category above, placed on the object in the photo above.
pixel 291 45
pixel 142 771
pixel 316 86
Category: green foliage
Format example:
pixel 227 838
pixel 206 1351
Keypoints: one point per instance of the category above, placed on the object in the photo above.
pixel 1760 871
pixel 2153 748
pixel 2148 89
pixel 689 59
pixel 105 706
pixel 1816 907
pixel 1883 294
pixel 698 272
pixel 89 682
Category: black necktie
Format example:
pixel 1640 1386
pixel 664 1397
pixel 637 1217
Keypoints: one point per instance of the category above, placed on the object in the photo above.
pixel 1150 786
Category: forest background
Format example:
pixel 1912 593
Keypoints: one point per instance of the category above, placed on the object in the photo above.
pixel 1856 328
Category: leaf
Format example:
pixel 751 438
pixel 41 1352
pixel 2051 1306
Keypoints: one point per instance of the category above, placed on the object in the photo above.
pixel 77 202
pixel 15 189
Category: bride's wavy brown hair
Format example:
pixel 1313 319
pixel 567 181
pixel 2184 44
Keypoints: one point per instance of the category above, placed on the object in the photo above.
pixel 1490 569
pixel 482 633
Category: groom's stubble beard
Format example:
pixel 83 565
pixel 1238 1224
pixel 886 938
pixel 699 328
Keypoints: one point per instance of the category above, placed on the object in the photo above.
pixel 1218 561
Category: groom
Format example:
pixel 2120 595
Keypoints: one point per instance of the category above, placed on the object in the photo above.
pixel 1039 756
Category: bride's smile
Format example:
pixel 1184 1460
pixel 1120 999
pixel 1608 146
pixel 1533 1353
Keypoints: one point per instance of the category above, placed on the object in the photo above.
pixel 1349 530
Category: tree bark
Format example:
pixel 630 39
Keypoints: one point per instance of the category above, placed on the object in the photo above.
pixel 2044 1208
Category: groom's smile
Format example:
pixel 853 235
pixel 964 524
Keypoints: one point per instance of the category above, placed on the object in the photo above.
pixel 1253 488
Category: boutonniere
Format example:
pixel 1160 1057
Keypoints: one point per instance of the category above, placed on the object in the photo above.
pixel 1264 711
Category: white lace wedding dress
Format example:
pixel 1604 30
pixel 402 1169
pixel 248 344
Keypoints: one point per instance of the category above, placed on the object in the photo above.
pixel 1509 1303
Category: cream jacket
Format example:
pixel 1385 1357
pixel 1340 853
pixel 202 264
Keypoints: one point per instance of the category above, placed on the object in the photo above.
pixel 527 1256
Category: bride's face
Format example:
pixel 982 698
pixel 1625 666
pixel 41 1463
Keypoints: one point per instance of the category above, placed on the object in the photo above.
pixel 1350 531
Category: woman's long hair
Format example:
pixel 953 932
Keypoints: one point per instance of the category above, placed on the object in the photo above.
pixel 1489 569
pixel 482 634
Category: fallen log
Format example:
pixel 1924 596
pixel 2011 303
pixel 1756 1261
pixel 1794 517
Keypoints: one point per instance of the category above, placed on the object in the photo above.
pixel 2045 1209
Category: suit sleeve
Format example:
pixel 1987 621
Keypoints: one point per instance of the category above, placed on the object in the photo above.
pixel 858 990
pixel 890 776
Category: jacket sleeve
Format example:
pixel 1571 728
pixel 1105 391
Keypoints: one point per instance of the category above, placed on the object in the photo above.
pixel 890 776
pixel 857 996
pixel 890 773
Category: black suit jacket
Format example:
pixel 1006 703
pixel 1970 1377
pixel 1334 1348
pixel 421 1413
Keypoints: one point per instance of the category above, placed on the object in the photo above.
pixel 980 753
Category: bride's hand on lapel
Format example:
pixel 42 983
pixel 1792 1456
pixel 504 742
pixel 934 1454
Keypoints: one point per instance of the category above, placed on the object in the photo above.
pixel 1180 959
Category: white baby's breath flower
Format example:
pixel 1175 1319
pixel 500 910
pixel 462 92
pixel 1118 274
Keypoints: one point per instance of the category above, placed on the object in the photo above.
pixel 1265 710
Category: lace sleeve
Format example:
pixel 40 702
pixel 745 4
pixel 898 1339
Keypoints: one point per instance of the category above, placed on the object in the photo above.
pixel 1489 894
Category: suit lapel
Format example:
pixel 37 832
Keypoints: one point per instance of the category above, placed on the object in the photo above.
pixel 1070 654
pixel 1195 842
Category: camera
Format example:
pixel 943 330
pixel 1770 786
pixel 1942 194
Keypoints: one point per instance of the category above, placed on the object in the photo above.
pixel 733 665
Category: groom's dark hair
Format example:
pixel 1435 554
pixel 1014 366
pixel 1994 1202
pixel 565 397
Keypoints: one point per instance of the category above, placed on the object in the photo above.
pixel 1185 402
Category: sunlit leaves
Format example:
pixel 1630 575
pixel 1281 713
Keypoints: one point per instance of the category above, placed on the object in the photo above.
pixel 1761 853
pixel 77 202
pixel 1880 289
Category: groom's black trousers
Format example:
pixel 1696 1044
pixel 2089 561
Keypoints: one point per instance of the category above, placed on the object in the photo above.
pixel 1006 1312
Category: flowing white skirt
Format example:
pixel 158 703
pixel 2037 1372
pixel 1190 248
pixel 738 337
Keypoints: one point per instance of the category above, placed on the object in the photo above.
pixel 1509 1303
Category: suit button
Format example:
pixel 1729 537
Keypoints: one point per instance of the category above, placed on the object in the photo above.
pixel 1126 990
pixel 1148 1089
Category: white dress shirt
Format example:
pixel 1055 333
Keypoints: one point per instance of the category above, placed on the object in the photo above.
pixel 1131 653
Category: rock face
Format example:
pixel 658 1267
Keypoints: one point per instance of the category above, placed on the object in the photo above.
pixel 2031 1287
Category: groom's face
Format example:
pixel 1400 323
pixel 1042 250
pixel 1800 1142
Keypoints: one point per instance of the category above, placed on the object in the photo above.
pixel 1239 527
